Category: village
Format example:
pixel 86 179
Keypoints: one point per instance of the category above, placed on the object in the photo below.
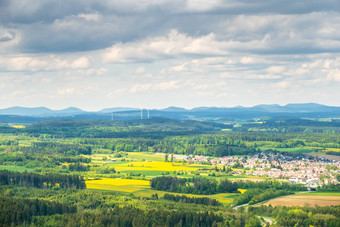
pixel 302 169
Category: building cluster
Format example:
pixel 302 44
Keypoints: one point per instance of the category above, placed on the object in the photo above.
pixel 309 170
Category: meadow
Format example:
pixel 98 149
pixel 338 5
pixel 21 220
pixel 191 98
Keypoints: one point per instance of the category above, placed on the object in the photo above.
pixel 15 168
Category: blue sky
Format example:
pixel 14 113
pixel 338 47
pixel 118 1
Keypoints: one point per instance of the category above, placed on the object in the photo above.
pixel 159 53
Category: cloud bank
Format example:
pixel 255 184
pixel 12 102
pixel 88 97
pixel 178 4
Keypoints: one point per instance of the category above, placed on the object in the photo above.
pixel 95 54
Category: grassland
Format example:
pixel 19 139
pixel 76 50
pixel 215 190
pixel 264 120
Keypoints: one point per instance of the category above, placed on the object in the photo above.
pixel 15 168
pixel 296 149
pixel 146 156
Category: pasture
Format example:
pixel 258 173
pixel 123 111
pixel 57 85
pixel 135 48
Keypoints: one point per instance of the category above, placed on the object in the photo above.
pixel 15 168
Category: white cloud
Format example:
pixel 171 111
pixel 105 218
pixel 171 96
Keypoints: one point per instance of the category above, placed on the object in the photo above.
pixel 201 87
pixel 202 5
pixel 249 49
pixel 150 87
pixel 275 69
pixel 66 91
pixel 90 17
pixel 247 60
pixel 282 84
pixel 174 44
pixel 42 63
pixel 334 75
pixel 140 69
pixel 80 63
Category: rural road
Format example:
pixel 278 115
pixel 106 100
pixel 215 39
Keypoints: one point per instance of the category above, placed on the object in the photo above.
pixel 267 220
pixel 235 208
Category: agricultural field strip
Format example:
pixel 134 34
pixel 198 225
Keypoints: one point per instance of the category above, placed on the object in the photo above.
pixel 142 188
pixel 157 166
pixel 123 185
pixel 320 199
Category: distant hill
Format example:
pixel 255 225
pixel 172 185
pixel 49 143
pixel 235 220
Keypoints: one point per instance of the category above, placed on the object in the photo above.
pixel 40 111
pixel 300 110
pixel 174 109
pixel 117 109
pixel 296 108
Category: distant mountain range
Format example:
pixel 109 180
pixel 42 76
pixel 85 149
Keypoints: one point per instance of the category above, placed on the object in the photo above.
pixel 199 113
pixel 40 111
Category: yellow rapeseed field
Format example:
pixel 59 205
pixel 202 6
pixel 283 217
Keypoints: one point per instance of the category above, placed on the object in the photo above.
pixel 333 149
pixel 18 126
pixel 123 185
pixel 242 190
pixel 156 166
pixel 142 188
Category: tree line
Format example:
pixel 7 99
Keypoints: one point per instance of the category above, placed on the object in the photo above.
pixel 35 180
pixel 61 148
pixel 128 216
pixel 197 200
pixel 267 184
pixel 253 196
pixel 196 185
pixel 17 211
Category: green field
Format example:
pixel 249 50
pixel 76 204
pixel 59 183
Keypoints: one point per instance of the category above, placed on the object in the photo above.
pixel 145 155
pixel 15 168
pixel 295 149
pixel 149 173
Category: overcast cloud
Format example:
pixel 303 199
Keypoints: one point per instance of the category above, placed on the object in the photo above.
pixel 158 53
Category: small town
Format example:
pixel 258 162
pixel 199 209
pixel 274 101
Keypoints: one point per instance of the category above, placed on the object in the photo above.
pixel 309 170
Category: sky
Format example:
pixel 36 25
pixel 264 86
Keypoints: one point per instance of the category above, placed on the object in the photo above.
pixel 158 53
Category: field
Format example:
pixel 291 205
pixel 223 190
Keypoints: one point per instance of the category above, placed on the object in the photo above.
pixel 145 155
pixel 242 190
pixel 249 178
pixel 333 149
pixel 122 185
pixel 311 199
pixel 331 157
pixel 15 168
pixel 141 188
pixel 296 149
pixel 156 166
pixel 18 126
